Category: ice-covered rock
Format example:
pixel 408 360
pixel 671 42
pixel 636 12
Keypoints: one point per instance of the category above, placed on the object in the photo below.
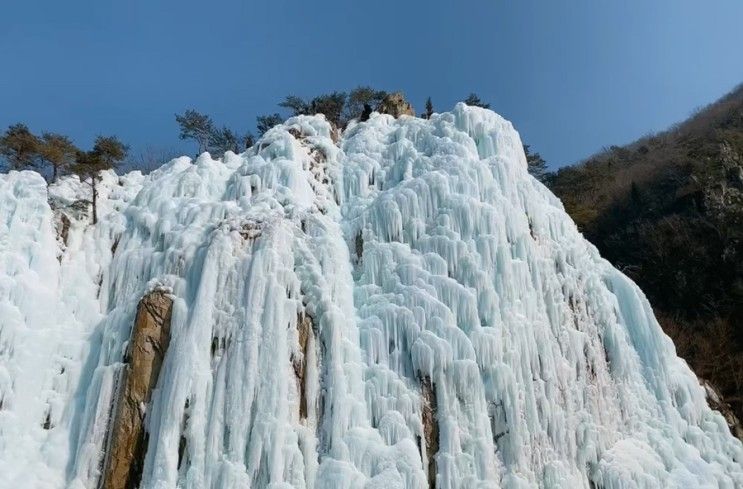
pixel 405 307
pixel 717 402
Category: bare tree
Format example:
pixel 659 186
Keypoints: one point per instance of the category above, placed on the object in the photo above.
pixel 150 158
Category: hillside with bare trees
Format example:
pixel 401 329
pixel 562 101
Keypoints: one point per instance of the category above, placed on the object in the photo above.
pixel 668 211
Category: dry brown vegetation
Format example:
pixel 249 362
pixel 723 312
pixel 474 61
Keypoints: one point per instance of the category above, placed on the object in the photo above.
pixel 668 211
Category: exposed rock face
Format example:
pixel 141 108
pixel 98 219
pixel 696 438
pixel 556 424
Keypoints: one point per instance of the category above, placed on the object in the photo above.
pixel 64 228
pixel 395 105
pixel 65 213
pixel 147 347
pixel 717 402
pixel 304 330
pixel 430 428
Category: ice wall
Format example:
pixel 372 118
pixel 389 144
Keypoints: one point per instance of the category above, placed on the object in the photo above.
pixel 405 307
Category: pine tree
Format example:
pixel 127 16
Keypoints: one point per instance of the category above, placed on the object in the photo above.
pixel 330 105
pixel 107 152
pixel 57 151
pixel 337 107
pixel 536 165
pixel 223 140
pixel 358 100
pixel 297 105
pixel 19 146
pixel 266 122
pixel 248 140
pixel 473 100
pixel 429 108
pixel 195 126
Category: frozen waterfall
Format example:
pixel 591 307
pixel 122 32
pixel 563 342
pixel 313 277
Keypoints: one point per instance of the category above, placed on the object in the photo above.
pixel 402 306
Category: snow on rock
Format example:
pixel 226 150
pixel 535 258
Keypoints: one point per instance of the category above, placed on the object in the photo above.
pixel 405 308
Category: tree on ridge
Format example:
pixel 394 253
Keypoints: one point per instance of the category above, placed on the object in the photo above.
pixel 57 151
pixel 197 127
pixel 107 152
pixel 19 146
pixel 473 100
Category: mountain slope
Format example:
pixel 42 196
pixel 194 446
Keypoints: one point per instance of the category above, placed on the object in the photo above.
pixel 405 307
pixel 668 210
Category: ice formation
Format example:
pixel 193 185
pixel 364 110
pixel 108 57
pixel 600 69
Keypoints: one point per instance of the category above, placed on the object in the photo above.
pixel 403 307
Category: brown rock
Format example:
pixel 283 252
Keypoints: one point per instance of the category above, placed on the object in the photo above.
pixel 430 427
pixel 395 105
pixel 717 402
pixel 305 330
pixel 65 228
pixel 128 438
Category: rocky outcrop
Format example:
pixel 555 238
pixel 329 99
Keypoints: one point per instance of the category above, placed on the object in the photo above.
pixel 128 438
pixel 304 331
pixel 430 427
pixel 717 402
pixel 64 214
pixel 395 105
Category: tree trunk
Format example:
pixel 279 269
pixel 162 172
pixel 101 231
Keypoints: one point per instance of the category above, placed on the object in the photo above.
pixel 54 173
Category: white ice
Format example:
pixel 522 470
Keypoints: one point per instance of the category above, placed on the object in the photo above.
pixel 419 248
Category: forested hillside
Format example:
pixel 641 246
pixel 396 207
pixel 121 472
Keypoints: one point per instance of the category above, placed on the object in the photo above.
pixel 668 211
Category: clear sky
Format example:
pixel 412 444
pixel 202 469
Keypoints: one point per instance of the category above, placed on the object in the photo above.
pixel 573 75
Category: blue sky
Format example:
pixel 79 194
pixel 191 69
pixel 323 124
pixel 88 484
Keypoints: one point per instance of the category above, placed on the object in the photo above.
pixel 573 75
